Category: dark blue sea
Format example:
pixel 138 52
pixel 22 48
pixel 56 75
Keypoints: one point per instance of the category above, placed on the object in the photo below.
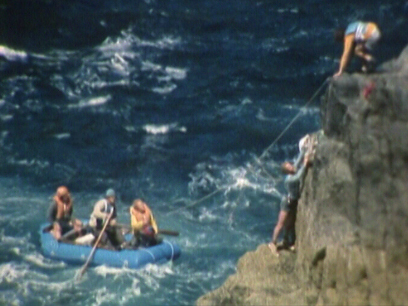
pixel 173 101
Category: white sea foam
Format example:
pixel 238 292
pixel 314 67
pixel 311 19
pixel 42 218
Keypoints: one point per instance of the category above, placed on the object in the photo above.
pixel 176 73
pixel 165 42
pixel 104 296
pixel 44 284
pixel 10 272
pixel 118 61
pixel 28 163
pixel 166 89
pixel 40 261
pixel 158 271
pixel 132 290
pixel 156 129
pixel 130 128
pixel 207 215
pixel 229 179
pixel 62 135
pixel 128 39
pixel 149 66
pixel 14 240
pixel 167 73
pixel 294 10
pixel 6 117
pixel 246 100
pixel 106 270
pixel 262 117
pixel 97 101
pixel 303 110
pixel 138 282
pixel 12 55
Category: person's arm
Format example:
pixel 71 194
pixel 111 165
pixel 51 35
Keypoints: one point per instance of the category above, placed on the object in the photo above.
pixel 300 174
pixel 299 159
pixel 112 222
pixel 60 208
pixel 153 223
pixel 52 212
pixel 293 183
pixel 347 52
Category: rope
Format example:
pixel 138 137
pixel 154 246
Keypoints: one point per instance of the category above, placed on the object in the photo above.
pixel 200 200
pixel 292 121
pixel 258 159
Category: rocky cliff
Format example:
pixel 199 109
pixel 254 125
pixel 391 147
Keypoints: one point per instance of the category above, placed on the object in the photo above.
pixel 352 226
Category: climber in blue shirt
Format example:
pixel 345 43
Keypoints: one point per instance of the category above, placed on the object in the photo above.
pixel 293 183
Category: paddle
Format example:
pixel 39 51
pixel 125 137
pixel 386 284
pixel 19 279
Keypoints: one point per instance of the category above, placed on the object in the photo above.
pixel 85 266
pixel 67 235
pixel 168 232
pixel 161 231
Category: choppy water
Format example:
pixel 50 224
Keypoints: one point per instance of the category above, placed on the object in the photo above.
pixel 169 100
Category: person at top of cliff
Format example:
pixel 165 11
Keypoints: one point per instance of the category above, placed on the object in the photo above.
pixel 358 38
pixel 60 214
pixel 295 174
pixel 143 224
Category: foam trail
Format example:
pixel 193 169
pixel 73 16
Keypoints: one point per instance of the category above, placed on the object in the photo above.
pixel 13 55
pixel 91 102
pixel 42 262
pixel 163 129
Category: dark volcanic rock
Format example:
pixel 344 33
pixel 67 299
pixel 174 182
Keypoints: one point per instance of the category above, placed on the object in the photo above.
pixel 352 227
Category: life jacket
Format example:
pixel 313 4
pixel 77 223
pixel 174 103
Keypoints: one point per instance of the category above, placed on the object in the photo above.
pixel 53 211
pixel 108 209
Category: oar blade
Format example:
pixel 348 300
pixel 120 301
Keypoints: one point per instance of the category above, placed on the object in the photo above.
pixel 168 232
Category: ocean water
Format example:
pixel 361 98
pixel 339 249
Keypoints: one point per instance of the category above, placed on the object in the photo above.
pixel 173 101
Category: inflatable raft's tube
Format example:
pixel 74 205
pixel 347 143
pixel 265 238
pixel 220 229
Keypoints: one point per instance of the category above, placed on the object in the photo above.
pixel 78 254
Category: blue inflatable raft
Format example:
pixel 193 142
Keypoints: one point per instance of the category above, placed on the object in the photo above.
pixel 78 254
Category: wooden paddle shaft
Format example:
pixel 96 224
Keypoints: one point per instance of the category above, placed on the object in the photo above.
pixel 161 231
pixel 83 269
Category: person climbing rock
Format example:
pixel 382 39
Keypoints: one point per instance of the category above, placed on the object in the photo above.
pixel 358 38
pixel 295 174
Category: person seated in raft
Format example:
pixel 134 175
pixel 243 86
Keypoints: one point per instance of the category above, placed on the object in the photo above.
pixel 288 207
pixel 60 214
pixel 143 224
pixel 112 237
pixel 359 38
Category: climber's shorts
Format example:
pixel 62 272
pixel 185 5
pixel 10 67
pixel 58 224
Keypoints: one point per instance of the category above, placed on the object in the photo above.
pixel 288 204
pixel 373 39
